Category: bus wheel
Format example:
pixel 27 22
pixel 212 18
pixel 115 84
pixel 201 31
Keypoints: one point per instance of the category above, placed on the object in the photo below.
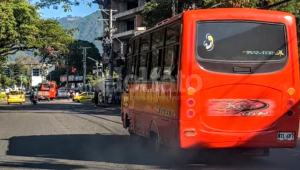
pixel 154 142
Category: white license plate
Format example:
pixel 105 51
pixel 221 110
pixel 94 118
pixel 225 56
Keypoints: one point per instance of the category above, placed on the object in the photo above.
pixel 285 136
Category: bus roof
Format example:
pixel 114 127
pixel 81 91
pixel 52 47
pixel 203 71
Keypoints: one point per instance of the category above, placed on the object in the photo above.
pixel 232 11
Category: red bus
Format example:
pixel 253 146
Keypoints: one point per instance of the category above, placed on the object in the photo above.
pixel 215 78
pixel 43 92
pixel 51 87
pixel 53 90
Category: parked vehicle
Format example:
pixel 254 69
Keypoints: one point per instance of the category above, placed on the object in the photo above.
pixel 62 94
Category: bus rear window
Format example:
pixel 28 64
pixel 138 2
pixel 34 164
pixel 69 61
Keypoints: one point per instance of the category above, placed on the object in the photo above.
pixel 241 41
pixel 46 86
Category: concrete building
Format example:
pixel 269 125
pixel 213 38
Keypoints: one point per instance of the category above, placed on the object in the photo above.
pixel 127 18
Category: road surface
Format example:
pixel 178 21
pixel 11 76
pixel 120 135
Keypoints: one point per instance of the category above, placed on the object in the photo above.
pixel 65 135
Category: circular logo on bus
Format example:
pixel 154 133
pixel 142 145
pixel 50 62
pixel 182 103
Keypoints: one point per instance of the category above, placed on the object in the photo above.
pixel 209 42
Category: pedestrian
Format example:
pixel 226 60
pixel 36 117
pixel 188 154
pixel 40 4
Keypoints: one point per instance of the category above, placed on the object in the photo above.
pixel 100 97
pixel 96 98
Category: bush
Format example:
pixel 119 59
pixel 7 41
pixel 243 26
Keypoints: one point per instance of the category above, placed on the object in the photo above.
pixel 2 96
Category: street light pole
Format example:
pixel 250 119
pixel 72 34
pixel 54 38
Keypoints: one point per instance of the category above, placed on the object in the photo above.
pixel 97 63
pixel 67 83
pixel 84 65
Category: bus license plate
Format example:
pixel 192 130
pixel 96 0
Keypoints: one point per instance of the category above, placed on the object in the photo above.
pixel 285 136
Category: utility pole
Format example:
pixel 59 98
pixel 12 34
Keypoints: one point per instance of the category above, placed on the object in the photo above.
pixel 110 30
pixel 67 71
pixel 173 8
pixel 97 65
pixel 84 65
pixel 31 73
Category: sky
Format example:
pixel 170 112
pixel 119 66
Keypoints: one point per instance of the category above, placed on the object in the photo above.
pixel 81 10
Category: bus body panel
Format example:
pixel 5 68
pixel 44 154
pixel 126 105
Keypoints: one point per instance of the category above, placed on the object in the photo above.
pixel 151 107
pixel 53 90
pixel 219 107
pixel 210 131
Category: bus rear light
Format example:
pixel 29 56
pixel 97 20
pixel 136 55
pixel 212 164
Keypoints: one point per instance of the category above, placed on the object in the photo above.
pixel 290 113
pixel 190 113
pixel 190 102
pixel 191 91
pixel 291 91
pixel 290 102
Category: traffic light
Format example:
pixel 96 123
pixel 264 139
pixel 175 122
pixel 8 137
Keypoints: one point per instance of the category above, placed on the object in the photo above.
pixel 73 70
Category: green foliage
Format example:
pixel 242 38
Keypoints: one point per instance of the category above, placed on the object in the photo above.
pixel 6 81
pixel 93 80
pixel 18 21
pixel 55 75
pixel 66 4
pixel 23 29
pixel 3 96
pixel 75 56
pixel 158 10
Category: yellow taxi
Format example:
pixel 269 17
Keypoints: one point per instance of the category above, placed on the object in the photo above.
pixel 16 96
pixel 84 97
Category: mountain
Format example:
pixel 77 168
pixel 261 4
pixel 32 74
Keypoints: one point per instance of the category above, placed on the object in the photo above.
pixel 88 27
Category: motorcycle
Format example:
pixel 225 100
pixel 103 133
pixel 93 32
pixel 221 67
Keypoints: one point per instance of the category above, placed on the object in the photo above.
pixel 34 100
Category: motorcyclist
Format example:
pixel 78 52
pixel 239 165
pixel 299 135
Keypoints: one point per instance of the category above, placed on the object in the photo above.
pixel 33 93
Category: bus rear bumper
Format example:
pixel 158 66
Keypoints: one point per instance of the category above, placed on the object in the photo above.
pixel 197 138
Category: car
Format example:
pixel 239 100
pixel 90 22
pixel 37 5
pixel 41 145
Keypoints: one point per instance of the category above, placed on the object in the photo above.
pixel 84 97
pixel 16 96
pixel 62 94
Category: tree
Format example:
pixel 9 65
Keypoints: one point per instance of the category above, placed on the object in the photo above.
pixel 75 56
pixel 53 41
pixel 23 29
pixel 4 80
pixel 158 10
pixel 55 75
pixel 21 69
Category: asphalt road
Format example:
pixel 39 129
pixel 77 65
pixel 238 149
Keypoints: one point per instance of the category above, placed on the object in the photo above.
pixel 65 135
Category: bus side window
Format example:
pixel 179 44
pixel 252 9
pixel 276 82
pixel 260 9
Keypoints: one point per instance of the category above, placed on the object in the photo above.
pixel 142 71
pixel 174 69
pixel 155 66
pixel 170 59
pixel 171 52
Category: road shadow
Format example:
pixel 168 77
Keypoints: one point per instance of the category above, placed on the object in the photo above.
pixel 60 107
pixel 38 164
pixel 119 149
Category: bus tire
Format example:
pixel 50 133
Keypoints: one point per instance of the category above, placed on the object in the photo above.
pixel 127 121
pixel 154 142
